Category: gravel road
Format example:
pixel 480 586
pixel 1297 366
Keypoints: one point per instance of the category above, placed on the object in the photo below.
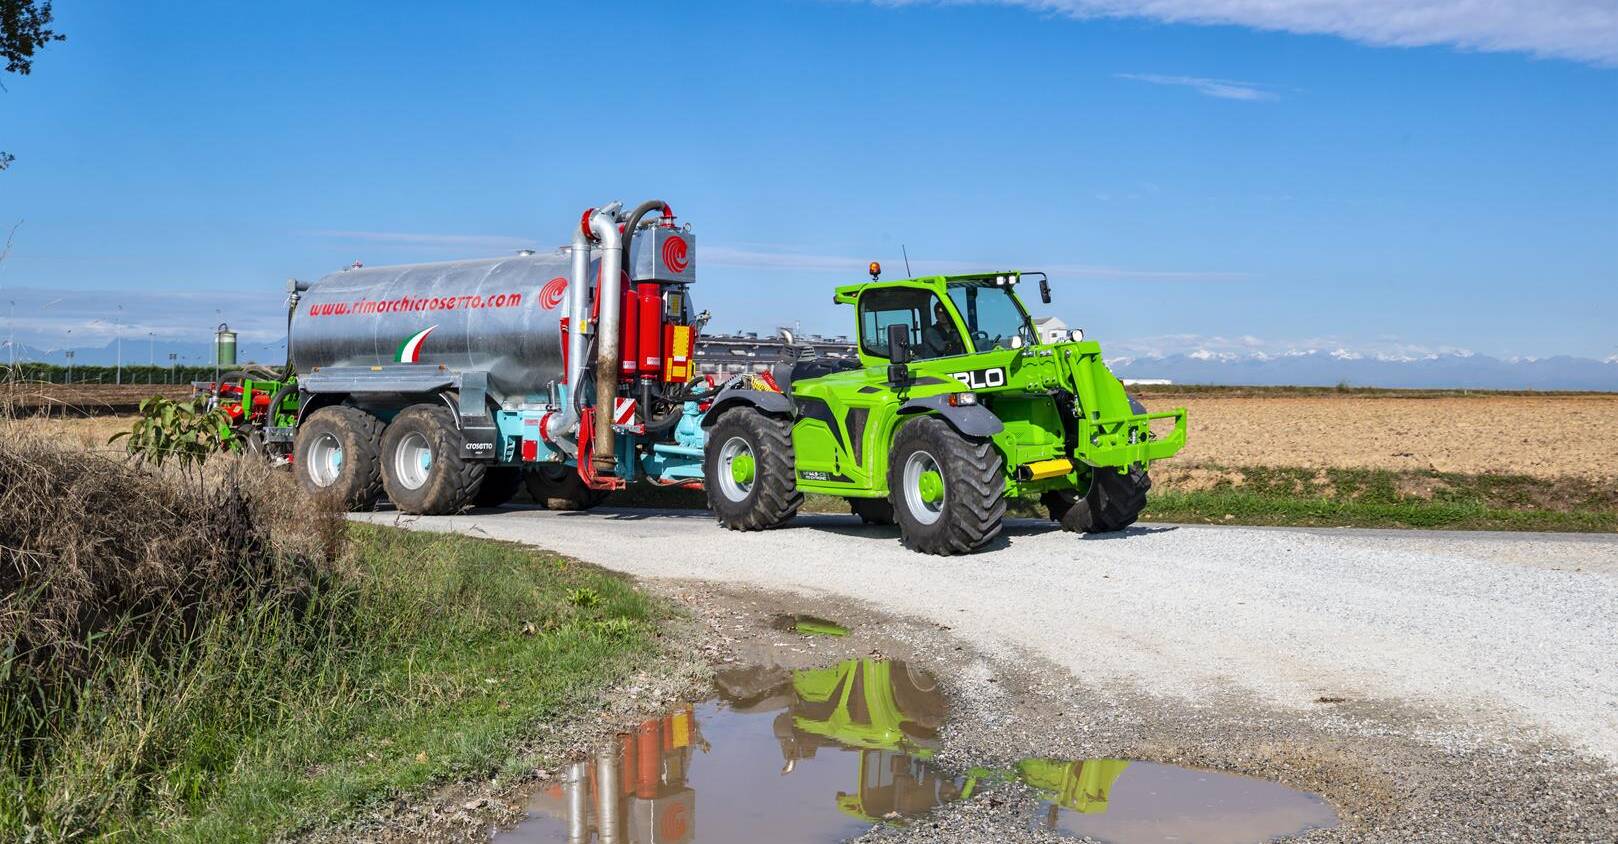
pixel 1510 635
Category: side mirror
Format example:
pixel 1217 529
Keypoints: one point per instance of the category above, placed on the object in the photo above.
pixel 1044 290
pixel 898 354
pixel 898 344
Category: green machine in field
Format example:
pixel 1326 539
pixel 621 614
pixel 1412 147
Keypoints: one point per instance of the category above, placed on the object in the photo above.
pixel 955 405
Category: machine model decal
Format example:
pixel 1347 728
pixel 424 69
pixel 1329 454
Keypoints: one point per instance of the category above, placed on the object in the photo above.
pixel 551 294
pixel 410 350
pixel 828 477
pixel 981 379
pixel 674 254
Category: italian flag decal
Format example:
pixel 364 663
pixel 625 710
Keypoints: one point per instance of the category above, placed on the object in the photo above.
pixel 410 350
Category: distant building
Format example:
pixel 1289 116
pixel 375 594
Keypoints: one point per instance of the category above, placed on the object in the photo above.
pixel 728 354
pixel 1051 329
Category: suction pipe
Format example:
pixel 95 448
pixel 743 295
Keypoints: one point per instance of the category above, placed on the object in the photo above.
pixel 603 227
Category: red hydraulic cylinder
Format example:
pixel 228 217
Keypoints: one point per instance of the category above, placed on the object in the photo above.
pixel 651 328
pixel 630 350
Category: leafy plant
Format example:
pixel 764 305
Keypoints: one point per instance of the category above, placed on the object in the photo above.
pixel 186 431
pixel 584 598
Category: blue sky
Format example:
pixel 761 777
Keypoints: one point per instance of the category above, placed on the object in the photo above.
pixel 1215 174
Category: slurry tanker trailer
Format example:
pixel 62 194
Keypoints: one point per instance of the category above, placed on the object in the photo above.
pixel 450 385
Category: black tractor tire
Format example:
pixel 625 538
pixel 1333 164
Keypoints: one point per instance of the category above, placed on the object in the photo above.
pixel 771 497
pixel 354 478
pixel 973 502
pixel 500 483
pixel 1113 502
pixel 872 511
pixel 558 487
pixel 441 484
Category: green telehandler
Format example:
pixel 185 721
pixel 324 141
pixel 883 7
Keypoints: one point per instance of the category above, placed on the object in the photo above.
pixel 955 405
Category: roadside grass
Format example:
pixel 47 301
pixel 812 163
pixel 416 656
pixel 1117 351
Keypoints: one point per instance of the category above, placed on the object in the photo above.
pixel 1269 495
pixel 168 684
pixel 459 649
pixel 1265 495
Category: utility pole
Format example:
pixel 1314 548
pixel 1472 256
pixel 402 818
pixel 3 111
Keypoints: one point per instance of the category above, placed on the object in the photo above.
pixel 69 366
pixel 151 356
pixel 172 357
pixel 118 329
pixel 12 343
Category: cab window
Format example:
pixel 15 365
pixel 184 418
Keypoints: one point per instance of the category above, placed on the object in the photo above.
pixel 932 333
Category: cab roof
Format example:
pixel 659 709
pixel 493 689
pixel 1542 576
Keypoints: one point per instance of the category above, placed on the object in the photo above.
pixel 847 293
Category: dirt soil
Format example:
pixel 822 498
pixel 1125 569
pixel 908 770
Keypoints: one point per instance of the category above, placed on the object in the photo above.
pixel 82 399
pixel 1544 437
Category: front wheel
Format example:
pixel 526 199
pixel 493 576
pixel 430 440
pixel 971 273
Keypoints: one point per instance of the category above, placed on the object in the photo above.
pixel 422 467
pixel 948 492
pixel 1113 502
pixel 749 471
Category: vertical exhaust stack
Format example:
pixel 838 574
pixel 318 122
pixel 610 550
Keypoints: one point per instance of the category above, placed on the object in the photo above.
pixel 603 227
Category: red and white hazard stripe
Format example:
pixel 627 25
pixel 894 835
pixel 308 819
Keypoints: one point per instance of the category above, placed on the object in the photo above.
pixel 623 411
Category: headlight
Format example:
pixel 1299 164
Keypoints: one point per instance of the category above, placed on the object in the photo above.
pixel 966 399
pixel 1076 335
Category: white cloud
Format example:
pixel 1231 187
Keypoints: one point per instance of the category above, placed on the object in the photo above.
pixel 1580 30
pixel 1224 89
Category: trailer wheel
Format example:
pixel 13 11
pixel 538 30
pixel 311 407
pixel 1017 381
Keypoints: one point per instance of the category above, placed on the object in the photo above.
pixel 422 467
pixel 749 471
pixel 948 492
pixel 500 483
pixel 557 487
pixel 1113 502
pixel 335 454
pixel 872 511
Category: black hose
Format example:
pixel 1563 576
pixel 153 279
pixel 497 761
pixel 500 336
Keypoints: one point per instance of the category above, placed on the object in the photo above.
pixel 635 216
pixel 275 404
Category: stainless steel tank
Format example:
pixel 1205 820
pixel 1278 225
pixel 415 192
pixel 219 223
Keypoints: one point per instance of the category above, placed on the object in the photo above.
pixel 499 315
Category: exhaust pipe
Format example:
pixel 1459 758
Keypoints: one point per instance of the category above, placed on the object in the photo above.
pixel 603 227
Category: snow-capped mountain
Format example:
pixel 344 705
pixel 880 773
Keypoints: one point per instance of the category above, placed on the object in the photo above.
pixel 1463 370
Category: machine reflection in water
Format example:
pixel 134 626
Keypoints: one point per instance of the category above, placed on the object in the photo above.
pixel 782 749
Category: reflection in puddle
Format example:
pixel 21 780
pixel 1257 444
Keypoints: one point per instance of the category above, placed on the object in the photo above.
pixel 808 625
pixel 820 755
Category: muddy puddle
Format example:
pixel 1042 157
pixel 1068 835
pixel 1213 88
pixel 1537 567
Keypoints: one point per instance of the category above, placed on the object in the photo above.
pixel 820 755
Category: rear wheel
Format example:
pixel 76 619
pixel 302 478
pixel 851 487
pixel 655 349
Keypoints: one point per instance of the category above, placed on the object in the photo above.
pixel 749 469
pixel 558 487
pixel 422 467
pixel 336 454
pixel 872 511
pixel 1113 502
pixel 947 491
pixel 499 484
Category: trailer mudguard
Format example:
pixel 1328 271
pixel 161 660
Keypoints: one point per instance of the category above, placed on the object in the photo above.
pixel 968 420
pixel 767 401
